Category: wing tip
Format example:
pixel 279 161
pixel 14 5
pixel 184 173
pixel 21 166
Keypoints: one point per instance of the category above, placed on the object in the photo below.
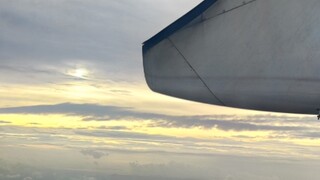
pixel 177 25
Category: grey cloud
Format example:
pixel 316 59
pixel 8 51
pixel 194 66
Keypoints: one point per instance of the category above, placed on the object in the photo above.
pixel 34 123
pixel 147 143
pixel 31 70
pixel 113 127
pixel 121 92
pixel 20 171
pixel 309 119
pixel 255 167
pixel 95 112
pixel 131 142
pixel 13 176
pixel 86 110
pixel 191 145
pixel 27 74
pixel 106 35
pixel 123 135
pixel 4 122
pixel 307 134
pixel 28 178
pixel 227 125
pixel 94 153
pixel 219 167
pixel 171 169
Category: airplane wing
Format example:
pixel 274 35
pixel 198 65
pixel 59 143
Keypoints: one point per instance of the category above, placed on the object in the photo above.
pixel 257 54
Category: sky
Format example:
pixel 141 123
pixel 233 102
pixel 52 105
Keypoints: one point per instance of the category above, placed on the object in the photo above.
pixel 74 104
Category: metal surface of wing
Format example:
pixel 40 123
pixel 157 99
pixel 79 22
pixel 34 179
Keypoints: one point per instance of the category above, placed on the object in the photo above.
pixel 258 54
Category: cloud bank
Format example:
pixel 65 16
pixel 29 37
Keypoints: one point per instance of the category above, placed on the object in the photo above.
pixel 95 112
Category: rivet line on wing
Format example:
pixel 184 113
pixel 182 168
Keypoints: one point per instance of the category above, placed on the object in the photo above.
pixel 196 73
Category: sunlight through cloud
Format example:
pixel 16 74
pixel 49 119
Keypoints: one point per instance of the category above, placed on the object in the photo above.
pixel 81 73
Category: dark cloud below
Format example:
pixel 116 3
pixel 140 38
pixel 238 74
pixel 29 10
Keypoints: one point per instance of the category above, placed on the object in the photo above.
pixel 94 153
pixel 4 122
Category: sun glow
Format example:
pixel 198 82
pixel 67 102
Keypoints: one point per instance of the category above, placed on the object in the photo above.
pixel 81 73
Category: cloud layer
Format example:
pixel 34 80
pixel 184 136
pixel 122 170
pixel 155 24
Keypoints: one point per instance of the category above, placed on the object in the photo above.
pixel 95 112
